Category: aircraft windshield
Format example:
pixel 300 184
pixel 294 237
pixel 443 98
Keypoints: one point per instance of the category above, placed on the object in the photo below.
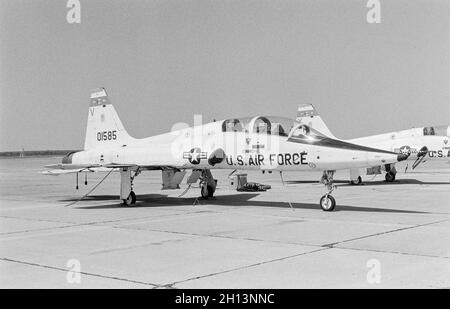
pixel 260 124
pixel 306 132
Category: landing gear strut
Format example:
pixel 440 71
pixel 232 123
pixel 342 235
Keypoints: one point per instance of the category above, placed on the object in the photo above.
pixel 327 202
pixel 207 184
pixel 126 186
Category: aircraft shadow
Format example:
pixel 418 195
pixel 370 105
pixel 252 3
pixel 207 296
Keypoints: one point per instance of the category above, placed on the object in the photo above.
pixel 241 199
pixel 374 183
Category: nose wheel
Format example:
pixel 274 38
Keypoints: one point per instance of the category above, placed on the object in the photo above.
pixel 327 202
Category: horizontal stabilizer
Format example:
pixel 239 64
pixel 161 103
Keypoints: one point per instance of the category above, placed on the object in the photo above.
pixel 62 169
pixel 64 166
pixel 57 172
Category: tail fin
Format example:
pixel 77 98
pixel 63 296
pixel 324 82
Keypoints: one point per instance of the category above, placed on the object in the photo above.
pixel 104 128
pixel 308 115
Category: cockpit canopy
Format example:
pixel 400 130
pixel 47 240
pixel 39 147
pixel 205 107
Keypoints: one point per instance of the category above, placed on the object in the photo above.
pixel 260 124
pixel 280 126
pixel 232 125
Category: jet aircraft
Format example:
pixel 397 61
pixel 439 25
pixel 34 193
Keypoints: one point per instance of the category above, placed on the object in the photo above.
pixel 253 143
pixel 420 144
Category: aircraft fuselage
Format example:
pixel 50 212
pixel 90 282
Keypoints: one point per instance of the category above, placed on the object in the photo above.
pixel 191 148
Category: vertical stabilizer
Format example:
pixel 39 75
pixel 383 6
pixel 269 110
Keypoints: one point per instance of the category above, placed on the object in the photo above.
pixel 104 128
pixel 308 115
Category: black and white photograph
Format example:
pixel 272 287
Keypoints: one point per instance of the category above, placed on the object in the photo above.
pixel 224 149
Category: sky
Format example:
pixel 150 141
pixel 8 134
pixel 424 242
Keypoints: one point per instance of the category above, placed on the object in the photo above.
pixel 164 61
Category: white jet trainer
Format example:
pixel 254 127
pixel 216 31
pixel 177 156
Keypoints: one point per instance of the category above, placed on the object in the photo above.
pixel 257 143
pixel 420 144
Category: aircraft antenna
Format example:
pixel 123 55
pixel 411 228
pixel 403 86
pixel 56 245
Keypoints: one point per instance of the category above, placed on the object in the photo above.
pixel 90 191
pixel 282 181
pixel 185 191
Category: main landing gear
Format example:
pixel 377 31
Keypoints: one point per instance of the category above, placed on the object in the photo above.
pixel 130 200
pixel 357 181
pixel 126 186
pixel 327 202
pixel 390 173
pixel 207 184
pixel 390 177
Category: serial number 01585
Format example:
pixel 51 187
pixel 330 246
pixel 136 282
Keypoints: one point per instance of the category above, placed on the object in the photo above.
pixel 106 135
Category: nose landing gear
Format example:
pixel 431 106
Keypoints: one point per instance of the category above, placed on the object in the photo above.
pixel 390 173
pixel 327 202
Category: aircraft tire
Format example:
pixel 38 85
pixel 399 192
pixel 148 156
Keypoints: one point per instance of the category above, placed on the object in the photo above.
pixel 390 177
pixel 327 202
pixel 131 200
pixel 356 182
pixel 207 192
